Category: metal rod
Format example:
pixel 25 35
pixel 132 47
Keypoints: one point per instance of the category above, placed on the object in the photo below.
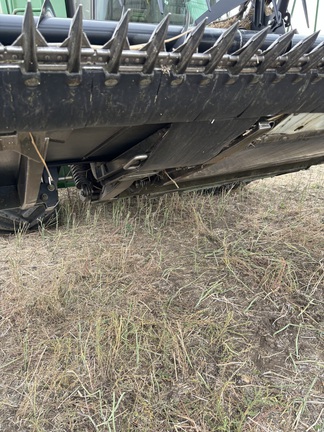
pixel 316 16
pixel 293 8
pixel 70 8
pixel 305 12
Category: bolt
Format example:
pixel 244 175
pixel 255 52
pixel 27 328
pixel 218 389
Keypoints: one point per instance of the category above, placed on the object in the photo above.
pixel 44 197
pixel 32 82
pixel 51 187
pixel 74 81
pixel 231 80
pixel 145 82
pixel 176 82
pixel 205 82
pixel 111 82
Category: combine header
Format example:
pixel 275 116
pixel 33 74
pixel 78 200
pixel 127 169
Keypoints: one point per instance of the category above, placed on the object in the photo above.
pixel 148 105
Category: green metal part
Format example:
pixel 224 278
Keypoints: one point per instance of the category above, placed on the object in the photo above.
pixel 18 7
pixel 65 179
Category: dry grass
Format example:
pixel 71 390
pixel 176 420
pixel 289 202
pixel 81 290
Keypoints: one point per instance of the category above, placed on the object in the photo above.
pixel 185 313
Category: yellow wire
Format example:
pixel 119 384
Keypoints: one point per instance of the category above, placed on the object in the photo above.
pixel 50 178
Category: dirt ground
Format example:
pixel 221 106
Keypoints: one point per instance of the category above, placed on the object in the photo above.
pixel 190 312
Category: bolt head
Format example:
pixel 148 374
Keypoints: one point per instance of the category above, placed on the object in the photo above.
pixel 177 82
pixel 44 197
pixel 111 82
pixel 32 82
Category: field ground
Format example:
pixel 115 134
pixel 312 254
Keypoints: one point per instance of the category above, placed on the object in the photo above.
pixel 186 313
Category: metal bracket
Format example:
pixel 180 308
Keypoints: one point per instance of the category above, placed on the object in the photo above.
pixel 135 162
pixel 31 166
pixel 261 128
pixel 128 162
pixel 219 9
pixel 237 145
pixel 21 143
pixel 48 193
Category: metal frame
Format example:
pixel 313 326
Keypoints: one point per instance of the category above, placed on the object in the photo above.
pixel 158 113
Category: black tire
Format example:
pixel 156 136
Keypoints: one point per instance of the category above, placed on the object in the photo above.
pixel 15 220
